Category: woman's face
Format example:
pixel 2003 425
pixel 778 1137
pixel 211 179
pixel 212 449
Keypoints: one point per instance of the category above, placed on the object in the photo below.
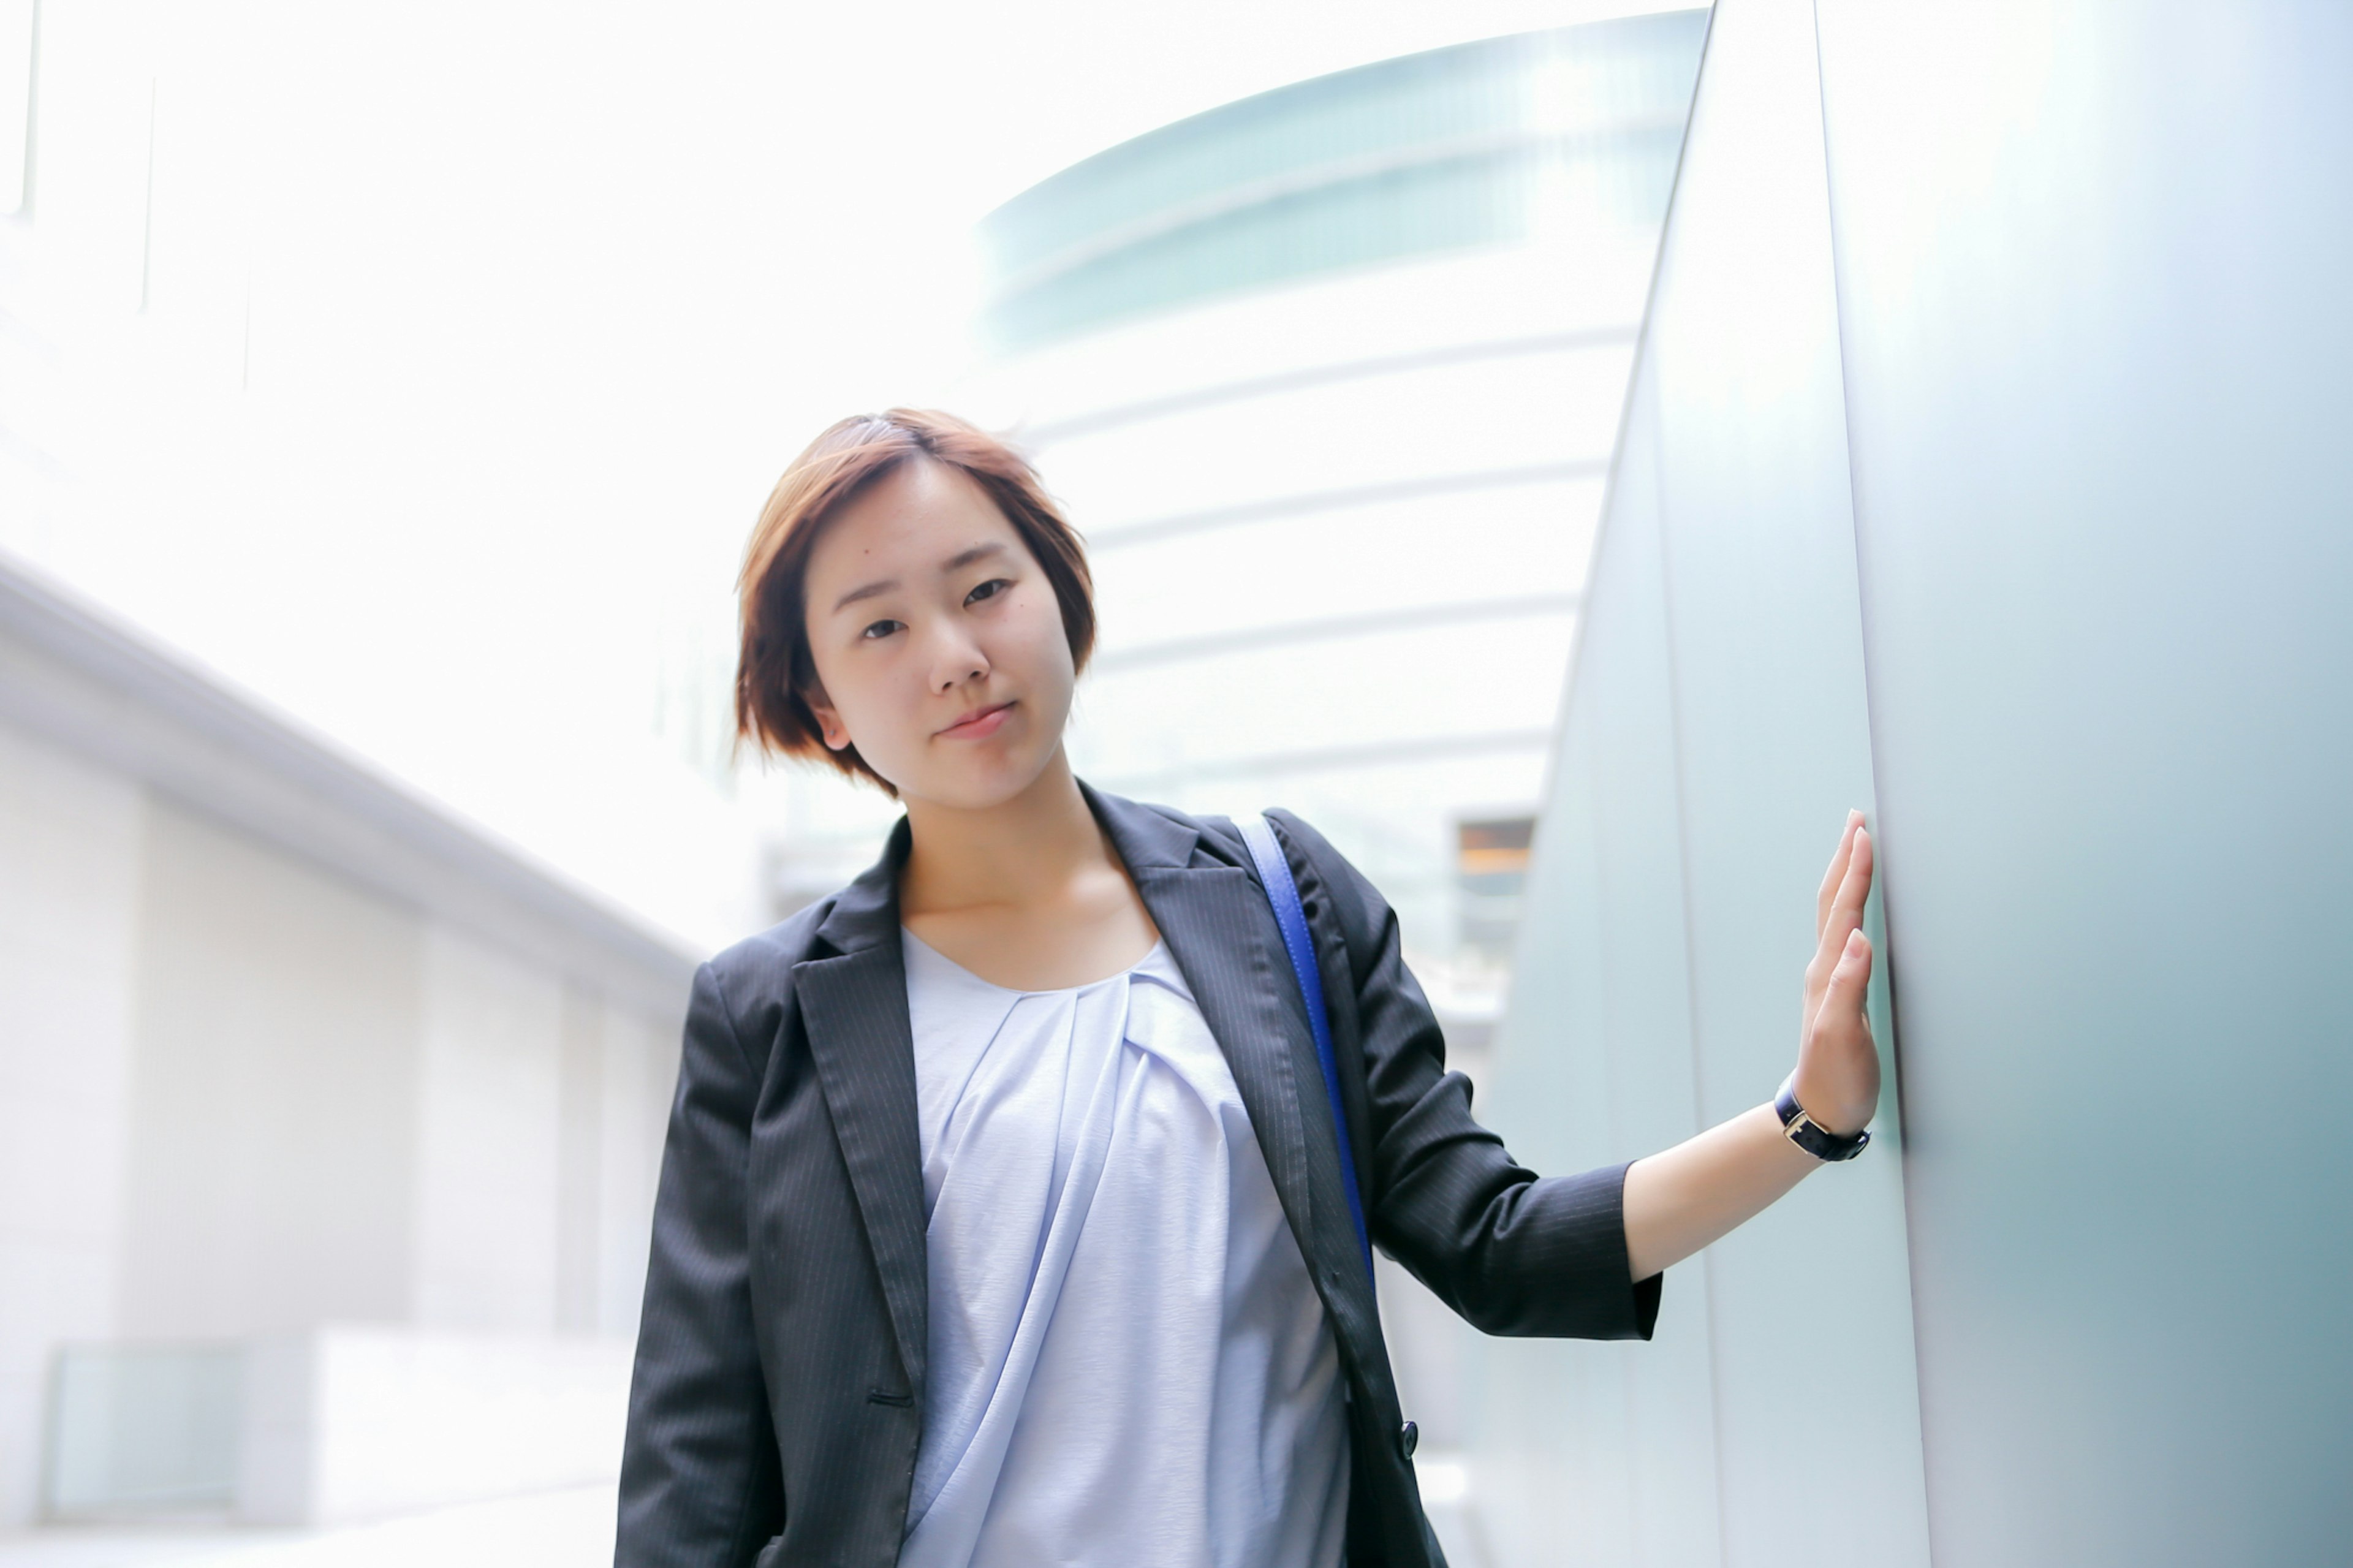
pixel 937 639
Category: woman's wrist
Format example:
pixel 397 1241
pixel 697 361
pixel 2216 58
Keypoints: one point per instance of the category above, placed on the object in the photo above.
pixel 1841 1115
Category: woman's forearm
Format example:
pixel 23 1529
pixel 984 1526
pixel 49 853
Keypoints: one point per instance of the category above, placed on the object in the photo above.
pixel 1680 1199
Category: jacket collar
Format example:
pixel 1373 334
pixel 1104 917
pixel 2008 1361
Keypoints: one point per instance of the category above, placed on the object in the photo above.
pixel 865 914
pixel 1146 838
pixel 867 910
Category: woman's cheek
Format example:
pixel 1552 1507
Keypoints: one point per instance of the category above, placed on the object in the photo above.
pixel 1049 643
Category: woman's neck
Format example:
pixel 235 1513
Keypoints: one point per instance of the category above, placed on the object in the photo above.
pixel 1021 852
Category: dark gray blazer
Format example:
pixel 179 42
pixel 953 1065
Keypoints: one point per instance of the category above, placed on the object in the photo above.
pixel 779 1386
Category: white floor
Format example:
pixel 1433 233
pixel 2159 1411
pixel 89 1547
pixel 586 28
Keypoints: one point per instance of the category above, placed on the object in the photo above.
pixel 1446 1498
pixel 545 1530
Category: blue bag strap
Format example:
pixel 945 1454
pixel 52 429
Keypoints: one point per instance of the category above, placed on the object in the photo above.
pixel 1274 875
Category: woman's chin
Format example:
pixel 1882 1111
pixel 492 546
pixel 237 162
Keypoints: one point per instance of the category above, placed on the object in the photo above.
pixel 977 782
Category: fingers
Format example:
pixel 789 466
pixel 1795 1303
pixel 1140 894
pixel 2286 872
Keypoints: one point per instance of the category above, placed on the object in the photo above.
pixel 1842 911
pixel 1845 911
pixel 1837 873
pixel 1843 1018
pixel 1851 978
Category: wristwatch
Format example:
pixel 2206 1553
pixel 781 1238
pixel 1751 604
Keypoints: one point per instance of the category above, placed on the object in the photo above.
pixel 1807 1133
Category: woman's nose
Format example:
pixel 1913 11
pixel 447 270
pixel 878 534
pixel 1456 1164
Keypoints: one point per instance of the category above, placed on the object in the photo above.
pixel 955 658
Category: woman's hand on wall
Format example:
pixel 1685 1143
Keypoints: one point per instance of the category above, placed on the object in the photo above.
pixel 1838 1062
pixel 1681 1199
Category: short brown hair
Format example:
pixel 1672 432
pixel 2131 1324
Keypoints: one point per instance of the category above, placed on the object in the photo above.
pixel 774 671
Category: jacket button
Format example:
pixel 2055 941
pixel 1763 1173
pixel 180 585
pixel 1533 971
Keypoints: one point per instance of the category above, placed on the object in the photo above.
pixel 1409 1438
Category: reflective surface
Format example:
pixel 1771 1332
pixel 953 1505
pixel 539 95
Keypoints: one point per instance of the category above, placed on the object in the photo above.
pixel 1605 1454
pixel 138 1428
pixel 2096 321
pixel 1714 737
pixel 1475 146
pixel 1985 469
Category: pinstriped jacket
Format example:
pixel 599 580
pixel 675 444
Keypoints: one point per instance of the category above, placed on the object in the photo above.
pixel 778 1393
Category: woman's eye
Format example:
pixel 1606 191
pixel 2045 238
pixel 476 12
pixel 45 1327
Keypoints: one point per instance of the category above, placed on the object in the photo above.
pixel 879 629
pixel 988 590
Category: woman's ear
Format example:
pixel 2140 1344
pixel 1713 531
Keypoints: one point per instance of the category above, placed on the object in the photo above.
pixel 829 722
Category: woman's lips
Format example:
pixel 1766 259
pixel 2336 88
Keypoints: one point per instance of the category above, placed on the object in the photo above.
pixel 985 722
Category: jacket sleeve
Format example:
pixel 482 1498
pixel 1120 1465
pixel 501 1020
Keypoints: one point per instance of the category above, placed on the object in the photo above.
pixel 1513 1252
pixel 698 1470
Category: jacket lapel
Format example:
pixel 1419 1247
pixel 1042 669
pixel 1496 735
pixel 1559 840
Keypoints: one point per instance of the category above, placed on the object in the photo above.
pixel 854 1007
pixel 1219 928
pixel 1205 914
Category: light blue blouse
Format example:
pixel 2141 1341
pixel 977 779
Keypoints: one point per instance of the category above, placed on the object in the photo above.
pixel 1128 1362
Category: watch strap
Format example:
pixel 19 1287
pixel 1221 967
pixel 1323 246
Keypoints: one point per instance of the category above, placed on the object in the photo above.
pixel 1807 1133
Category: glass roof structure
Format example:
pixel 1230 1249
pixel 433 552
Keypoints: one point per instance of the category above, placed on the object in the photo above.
pixel 1454 148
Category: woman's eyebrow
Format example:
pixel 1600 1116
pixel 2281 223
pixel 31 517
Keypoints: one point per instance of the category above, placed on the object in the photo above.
pixel 964 558
pixel 867 592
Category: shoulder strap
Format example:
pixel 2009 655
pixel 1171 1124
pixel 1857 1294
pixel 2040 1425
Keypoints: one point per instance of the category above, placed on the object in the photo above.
pixel 1274 875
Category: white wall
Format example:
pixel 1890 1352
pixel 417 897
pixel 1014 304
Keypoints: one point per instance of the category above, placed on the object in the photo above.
pixel 486 1167
pixel 543 1109
pixel 70 868
pixel 242 1096
pixel 640 1071
pixel 275 1101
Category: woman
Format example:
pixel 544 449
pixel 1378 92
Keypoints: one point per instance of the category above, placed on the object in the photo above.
pixel 1002 1219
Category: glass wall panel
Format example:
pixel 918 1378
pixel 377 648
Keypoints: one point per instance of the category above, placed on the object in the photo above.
pixel 2095 321
pixel 146 1429
pixel 1714 737
pixel 1606 1454
pixel 1773 747
pixel 1992 387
